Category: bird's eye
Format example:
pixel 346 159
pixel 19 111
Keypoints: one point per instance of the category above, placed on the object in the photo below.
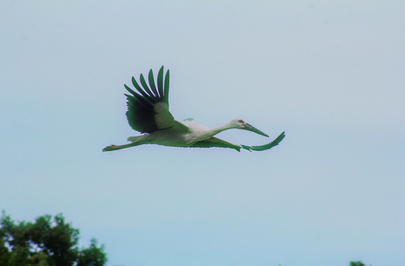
pixel 241 121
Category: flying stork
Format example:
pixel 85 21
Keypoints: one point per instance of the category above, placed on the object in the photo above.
pixel 148 113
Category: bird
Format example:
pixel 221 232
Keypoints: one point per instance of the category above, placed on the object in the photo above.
pixel 148 112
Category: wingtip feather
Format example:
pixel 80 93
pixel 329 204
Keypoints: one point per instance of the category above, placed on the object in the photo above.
pixel 166 90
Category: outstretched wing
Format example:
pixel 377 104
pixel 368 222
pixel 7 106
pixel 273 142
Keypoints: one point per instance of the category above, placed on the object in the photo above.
pixel 221 143
pixel 216 142
pixel 266 146
pixel 148 106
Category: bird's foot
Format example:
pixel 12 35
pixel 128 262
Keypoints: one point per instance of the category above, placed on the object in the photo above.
pixel 110 148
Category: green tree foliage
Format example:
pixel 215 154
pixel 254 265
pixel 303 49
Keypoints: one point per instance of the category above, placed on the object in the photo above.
pixel 45 243
pixel 356 263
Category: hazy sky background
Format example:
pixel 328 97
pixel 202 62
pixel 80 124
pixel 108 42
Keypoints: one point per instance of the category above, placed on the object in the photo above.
pixel 329 73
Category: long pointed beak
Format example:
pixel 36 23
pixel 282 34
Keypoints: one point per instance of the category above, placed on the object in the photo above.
pixel 253 129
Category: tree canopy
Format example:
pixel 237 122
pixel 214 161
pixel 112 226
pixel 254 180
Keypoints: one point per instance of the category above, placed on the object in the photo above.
pixel 356 263
pixel 45 243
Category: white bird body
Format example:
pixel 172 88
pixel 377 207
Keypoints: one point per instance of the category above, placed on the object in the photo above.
pixel 148 112
pixel 199 132
pixel 173 137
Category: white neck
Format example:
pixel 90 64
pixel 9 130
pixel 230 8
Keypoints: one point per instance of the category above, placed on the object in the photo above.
pixel 228 125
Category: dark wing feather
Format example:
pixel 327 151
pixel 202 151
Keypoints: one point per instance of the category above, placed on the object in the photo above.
pixel 160 78
pixel 220 143
pixel 267 146
pixel 145 91
pixel 152 81
pixel 166 92
pixel 142 103
pixel 146 88
pixel 216 142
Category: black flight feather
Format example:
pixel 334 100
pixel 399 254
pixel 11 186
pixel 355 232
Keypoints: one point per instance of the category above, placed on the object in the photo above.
pixel 141 112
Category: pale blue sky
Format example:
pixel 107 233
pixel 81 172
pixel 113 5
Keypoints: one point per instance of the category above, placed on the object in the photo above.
pixel 330 74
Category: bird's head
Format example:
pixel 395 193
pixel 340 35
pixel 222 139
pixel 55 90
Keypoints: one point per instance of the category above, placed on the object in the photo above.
pixel 239 123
